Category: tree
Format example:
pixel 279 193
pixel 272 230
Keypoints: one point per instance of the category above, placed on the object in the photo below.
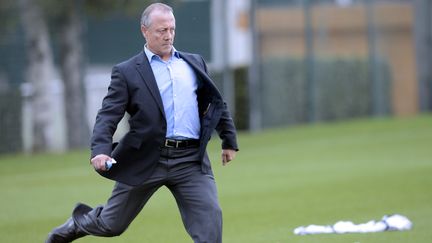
pixel 72 72
pixel 39 70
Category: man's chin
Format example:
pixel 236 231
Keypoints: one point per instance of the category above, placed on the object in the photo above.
pixel 168 50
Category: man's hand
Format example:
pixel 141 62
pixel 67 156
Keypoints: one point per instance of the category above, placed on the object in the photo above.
pixel 227 155
pixel 99 160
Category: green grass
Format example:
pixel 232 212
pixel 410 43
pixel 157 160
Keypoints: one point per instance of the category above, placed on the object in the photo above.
pixel 282 178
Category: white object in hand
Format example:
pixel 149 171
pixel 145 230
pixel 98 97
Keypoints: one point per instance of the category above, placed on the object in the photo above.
pixel 109 163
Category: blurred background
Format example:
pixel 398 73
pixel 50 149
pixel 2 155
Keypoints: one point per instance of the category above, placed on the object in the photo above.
pixel 277 62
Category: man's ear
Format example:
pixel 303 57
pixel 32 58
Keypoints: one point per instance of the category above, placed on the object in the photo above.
pixel 143 30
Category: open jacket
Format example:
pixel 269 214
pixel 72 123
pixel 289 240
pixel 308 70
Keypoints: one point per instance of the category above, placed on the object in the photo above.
pixel 133 89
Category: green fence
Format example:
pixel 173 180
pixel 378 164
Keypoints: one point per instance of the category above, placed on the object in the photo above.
pixel 10 122
pixel 341 89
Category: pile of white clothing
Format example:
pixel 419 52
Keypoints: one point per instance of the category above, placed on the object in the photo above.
pixel 395 222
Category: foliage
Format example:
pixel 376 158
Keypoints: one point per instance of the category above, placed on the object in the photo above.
pixel 241 99
pixel 342 89
pixel 10 122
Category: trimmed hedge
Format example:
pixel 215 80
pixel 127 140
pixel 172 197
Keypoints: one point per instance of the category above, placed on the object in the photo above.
pixel 342 89
pixel 10 122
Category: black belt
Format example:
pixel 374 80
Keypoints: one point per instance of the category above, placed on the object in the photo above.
pixel 172 143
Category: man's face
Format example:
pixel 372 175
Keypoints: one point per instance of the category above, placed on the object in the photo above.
pixel 160 34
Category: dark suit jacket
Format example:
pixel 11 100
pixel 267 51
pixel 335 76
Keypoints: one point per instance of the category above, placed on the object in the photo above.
pixel 133 89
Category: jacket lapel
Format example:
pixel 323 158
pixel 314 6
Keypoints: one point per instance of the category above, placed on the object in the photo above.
pixel 196 66
pixel 144 69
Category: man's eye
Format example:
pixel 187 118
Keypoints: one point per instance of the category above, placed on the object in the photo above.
pixel 164 31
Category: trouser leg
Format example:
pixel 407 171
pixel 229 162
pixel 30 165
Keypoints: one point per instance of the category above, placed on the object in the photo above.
pixel 110 220
pixel 197 199
pixel 121 209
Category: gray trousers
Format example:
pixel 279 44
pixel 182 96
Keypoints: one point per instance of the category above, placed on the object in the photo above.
pixel 194 191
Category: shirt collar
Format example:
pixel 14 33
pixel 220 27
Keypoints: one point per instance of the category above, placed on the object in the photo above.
pixel 150 54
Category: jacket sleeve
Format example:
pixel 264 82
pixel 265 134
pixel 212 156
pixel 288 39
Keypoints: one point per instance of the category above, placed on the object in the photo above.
pixel 112 111
pixel 226 130
pixel 225 127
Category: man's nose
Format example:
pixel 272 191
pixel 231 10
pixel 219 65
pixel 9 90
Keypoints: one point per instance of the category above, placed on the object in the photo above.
pixel 168 36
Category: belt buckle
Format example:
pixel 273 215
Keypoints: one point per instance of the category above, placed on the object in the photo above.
pixel 166 143
pixel 176 143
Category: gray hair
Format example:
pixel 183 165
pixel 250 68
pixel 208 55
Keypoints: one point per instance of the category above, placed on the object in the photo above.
pixel 145 16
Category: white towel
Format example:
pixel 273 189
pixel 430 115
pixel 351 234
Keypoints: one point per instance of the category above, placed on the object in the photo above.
pixel 395 222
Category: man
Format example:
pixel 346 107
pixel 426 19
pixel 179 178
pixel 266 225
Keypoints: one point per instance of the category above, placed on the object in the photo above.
pixel 174 108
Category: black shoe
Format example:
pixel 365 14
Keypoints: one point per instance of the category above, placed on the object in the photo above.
pixel 65 233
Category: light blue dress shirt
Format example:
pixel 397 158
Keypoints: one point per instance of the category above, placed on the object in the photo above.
pixel 177 84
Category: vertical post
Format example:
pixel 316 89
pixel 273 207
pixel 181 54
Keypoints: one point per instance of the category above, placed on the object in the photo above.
pixel 376 84
pixel 309 62
pixel 228 86
pixel 255 114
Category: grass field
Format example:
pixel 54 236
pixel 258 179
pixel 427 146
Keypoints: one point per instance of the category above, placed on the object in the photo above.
pixel 282 178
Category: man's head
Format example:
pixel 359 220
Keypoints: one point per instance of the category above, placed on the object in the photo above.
pixel 158 28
